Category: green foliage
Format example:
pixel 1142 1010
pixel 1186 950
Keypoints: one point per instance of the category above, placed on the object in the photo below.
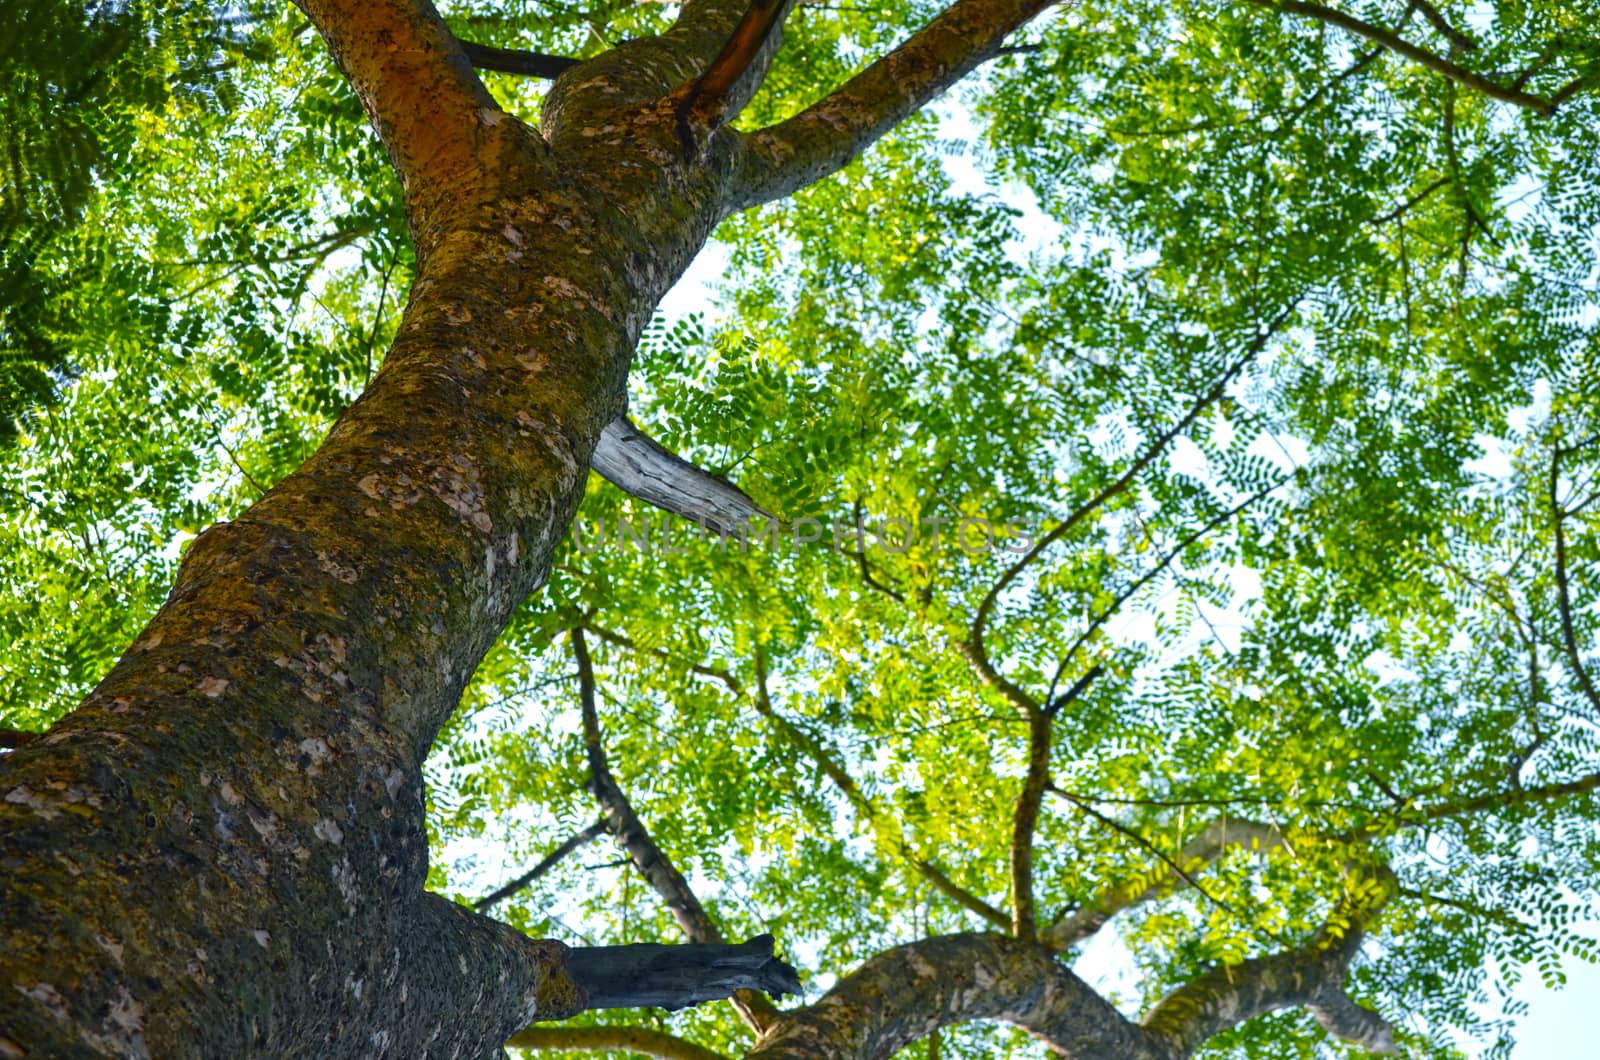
pixel 1360 297
pixel 81 80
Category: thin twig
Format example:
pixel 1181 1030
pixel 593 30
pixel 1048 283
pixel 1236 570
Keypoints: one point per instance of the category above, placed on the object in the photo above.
pixel 1123 481
pixel 1400 46
pixel 573 842
pixel 1124 830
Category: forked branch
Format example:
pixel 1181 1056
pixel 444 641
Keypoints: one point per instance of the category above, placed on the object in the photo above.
pixel 1312 975
pixel 906 993
pixel 1116 488
pixel 824 137
pixel 1437 63
pixel 662 875
pixel 428 107
pixel 707 102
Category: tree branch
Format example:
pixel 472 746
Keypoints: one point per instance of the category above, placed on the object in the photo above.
pixel 638 465
pixel 659 871
pixel 1563 592
pixel 824 137
pixel 573 842
pixel 977 656
pixel 1026 814
pixel 906 993
pixel 1400 46
pixel 633 1039
pixel 862 803
pixel 1111 609
pixel 1573 87
pixel 1024 820
pixel 623 641
pixel 1459 41
pixel 1054 706
pixel 428 107
pixel 674 977
pixel 961 896
pixel 1217 838
pixel 707 102
pixel 809 745
pixel 1229 833
pixel 1312 975
pixel 11 739
pixel 1411 203
pixel 1503 799
pixel 624 823
pixel 515 61
pixel 1123 481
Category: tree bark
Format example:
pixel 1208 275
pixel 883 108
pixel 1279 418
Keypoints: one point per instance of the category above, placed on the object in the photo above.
pixel 222 851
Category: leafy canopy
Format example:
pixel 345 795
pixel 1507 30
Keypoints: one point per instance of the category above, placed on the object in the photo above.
pixel 1279 344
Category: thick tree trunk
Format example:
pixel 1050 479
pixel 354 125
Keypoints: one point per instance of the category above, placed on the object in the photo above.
pixel 222 851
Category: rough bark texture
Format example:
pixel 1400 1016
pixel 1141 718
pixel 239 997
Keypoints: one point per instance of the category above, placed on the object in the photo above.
pixel 636 463
pixel 222 852
pixel 908 992
pixel 635 1039
pixel 673 977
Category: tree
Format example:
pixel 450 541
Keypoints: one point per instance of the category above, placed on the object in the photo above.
pixel 1280 224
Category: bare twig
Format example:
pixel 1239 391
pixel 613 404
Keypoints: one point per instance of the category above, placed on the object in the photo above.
pixel 573 842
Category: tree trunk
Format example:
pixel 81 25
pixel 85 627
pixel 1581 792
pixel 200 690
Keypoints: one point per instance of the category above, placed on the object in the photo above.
pixel 222 851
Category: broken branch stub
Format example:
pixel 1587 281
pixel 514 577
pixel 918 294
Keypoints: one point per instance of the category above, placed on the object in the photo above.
pixel 638 465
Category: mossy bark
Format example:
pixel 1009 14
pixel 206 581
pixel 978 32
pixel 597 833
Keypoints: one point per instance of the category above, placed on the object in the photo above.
pixel 222 851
